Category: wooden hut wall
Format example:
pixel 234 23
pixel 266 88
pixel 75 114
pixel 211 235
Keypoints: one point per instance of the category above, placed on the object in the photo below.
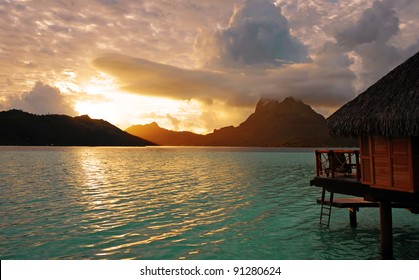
pixel 381 162
pixel 366 160
pixel 415 162
pixel 401 164
pixel 388 163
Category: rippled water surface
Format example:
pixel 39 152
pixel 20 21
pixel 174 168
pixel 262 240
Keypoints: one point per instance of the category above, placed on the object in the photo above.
pixel 178 203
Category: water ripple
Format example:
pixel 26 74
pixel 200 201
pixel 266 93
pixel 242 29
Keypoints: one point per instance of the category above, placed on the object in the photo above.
pixel 176 203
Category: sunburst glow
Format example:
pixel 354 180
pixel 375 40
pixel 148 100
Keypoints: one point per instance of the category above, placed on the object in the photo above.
pixel 199 67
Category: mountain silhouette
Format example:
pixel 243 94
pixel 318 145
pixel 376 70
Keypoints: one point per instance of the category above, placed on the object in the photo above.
pixel 289 123
pixel 166 137
pixel 21 128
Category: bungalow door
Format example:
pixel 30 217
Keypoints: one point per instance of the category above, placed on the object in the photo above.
pixel 381 162
pixel 366 163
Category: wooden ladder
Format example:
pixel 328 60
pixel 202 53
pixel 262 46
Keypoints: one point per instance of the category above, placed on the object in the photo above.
pixel 326 209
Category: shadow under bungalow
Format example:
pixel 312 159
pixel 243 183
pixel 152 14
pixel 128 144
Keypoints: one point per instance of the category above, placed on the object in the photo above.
pixel 384 173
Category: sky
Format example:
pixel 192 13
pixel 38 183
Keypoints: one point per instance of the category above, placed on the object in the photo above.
pixel 196 65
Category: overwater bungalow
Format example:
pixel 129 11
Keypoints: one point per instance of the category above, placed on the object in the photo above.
pixel 384 173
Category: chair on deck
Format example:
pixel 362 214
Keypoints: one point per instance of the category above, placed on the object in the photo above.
pixel 339 164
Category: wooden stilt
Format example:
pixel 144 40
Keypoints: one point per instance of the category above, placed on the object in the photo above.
pixel 352 216
pixel 386 225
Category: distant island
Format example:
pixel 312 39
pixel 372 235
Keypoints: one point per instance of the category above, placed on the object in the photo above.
pixel 289 123
pixel 21 128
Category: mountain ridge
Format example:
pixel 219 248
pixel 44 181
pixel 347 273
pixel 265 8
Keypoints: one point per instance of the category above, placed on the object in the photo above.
pixel 22 128
pixel 289 123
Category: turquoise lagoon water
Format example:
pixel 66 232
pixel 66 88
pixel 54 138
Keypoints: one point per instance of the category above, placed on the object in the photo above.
pixel 178 203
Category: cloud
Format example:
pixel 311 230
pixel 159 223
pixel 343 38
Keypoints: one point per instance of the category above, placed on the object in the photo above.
pixel 257 34
pixel 175 122
pixel 256 49
pixel 317 82
pixel 375 35
pixel 42 99
pixel 145 77
pixel 320 85
pixel 53 35
pixel 370 38
pixel 377 24
pixel 255 56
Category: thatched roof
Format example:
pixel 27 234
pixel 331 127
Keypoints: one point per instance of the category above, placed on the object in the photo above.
pixel 390 107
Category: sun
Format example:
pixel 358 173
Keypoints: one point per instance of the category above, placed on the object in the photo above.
pixel 102 99
pixel 99 96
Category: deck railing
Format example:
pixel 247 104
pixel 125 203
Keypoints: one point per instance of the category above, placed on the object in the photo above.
pixel 338 163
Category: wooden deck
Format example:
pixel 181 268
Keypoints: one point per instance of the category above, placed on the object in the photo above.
pixel 355 203
pixel 358 202
pixel 352 187
pixel 349 202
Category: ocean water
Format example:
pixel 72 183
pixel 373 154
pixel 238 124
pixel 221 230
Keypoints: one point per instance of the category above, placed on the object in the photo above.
pixel 178 203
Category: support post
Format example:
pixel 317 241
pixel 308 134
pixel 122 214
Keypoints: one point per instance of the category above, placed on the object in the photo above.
pixel 386 233
pixel 330 155
pixel 318 164
pixel 357 167
pixel 352 216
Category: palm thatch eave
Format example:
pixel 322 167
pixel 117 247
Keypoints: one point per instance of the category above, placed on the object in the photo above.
pixel 390 107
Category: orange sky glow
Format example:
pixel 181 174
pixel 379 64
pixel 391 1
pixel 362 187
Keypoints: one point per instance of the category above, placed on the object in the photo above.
pixel 195 65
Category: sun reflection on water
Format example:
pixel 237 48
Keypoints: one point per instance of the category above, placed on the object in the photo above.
pixel 173 203
pixel 166 203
